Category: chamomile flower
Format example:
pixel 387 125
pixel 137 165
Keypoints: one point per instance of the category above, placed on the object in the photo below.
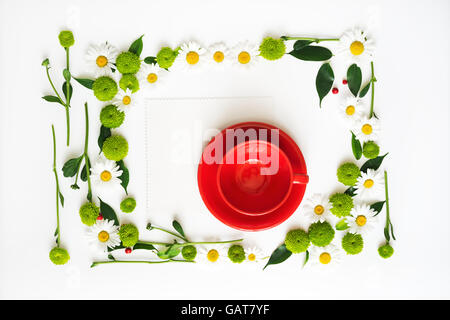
pixel 362 219
pixel 317 208
pixel 101 58
pixel 245 54
pixel 325 256
pixel 253 254
pixel 218 55
pixel 151 75
pixel 352 109
pixel 367 129
pixel 126 100
pixel 357 46
pixel 212 254
pixel 103 235
pixel 370 184
pixel 105 174
pixel 191 56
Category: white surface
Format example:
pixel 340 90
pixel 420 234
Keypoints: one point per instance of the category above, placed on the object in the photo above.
pixel 411 99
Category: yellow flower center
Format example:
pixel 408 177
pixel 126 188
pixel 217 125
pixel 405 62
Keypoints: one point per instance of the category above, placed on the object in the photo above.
pixel 192 57
pixel 252 257
pixel 126 100
pixel 356 48
pixel 101 61
pixel 244 57
pixel 319 209
pixel 366 129
pixel 212 255
pixel 361 220
pixel 103 236
pixel 105 175
pixel 350 110
pixel 152 77
pixel 368 183
pixel 325 258
pixel 218 56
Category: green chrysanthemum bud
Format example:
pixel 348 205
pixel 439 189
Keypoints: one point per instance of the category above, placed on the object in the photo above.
pixel 115 148
pixel 236 253
pixel 46 62
pixel 321 233
pixel 352 243
pixel 105 88
pixel 342 204
pixel 386 251
pixel 59 256
pixel 272 49
pixel 189 252
pixel 165 57
pixel 111 117
pixel 89 213
pixel 129 81
pixel 128 62
pixel 297 241
pixel 348 173
pixel 371 150
pixel 129 235
pixel 66 38
pixel 128 205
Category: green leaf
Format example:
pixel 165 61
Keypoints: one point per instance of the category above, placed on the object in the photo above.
pixel 312 53
pixel 66 74
pixel 136 46
pixel 354 78
pixel 149 226
pixel 125 176
pixel 150 60
pixel 177 226
pixel 144 246
pixel 64 89
pixel 392 230
pixel 386 234
pixel 53 99
pixel 306 258
pixel 301 44
pixel 373 163
pixel 61 198
pixel 342 225
pixel 111 257
pixel 104 134
pixel 89 196
pixel 280 255
pixel 351 191
pixel 364 90
pixel 108 213
pixel 71 167
pixel 87 83
pixel 324 81
pixel 170 253
pixel 83 174
pixel 356 147
pixel 377 207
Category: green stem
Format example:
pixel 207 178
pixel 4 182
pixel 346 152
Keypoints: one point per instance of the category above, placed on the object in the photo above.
pixel 373 80
pixel 170 232
pixel 189 243
pixel 388 218
pixel 53 87
pixel 57 186
pixel 96 263
pixel 316 40
pixel 67 98
pixel 85 154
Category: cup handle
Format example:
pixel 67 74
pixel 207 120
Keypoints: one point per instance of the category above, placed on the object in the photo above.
pixel 300 178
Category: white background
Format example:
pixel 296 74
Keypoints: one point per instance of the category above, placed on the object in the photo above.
pixel 411 99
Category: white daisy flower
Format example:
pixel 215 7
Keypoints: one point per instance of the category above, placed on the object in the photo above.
pixel 367 129
pixel 325 256
pixel 245 55
pixel 191 56
pixel 101 58
pixel 253 254
pixel 352 109
pixel 151 74
pixel 357 46
pixel 126 100
pixel 219 55
pixel 103 235
pixel 362 219
pixel 105 174
pixel 370 184
pixel 212 254
pixel 317 208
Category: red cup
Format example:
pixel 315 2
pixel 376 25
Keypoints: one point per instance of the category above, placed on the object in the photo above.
pixel 256 177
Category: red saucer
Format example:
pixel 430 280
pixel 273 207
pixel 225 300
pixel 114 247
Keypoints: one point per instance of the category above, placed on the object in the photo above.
pixel 209 192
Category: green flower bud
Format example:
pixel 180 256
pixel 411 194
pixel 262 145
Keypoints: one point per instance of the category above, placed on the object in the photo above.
pixel 166 57
pixel 115 148
pixel 348 173
pixel 128 62
pixel 46 62
pixel 297 241
pixel 89 213
pixel 189 252
pixel 342 204
pixel 371 150
pixel 352 243
pixel 59 256
pixel 321 233
pixel 66 38
pixel 105 88
pixel 128 205
pixel 236 253
pixel 272 49
pixel 129 235
pixel 111 117
pixel 386 251
pixel 129 81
